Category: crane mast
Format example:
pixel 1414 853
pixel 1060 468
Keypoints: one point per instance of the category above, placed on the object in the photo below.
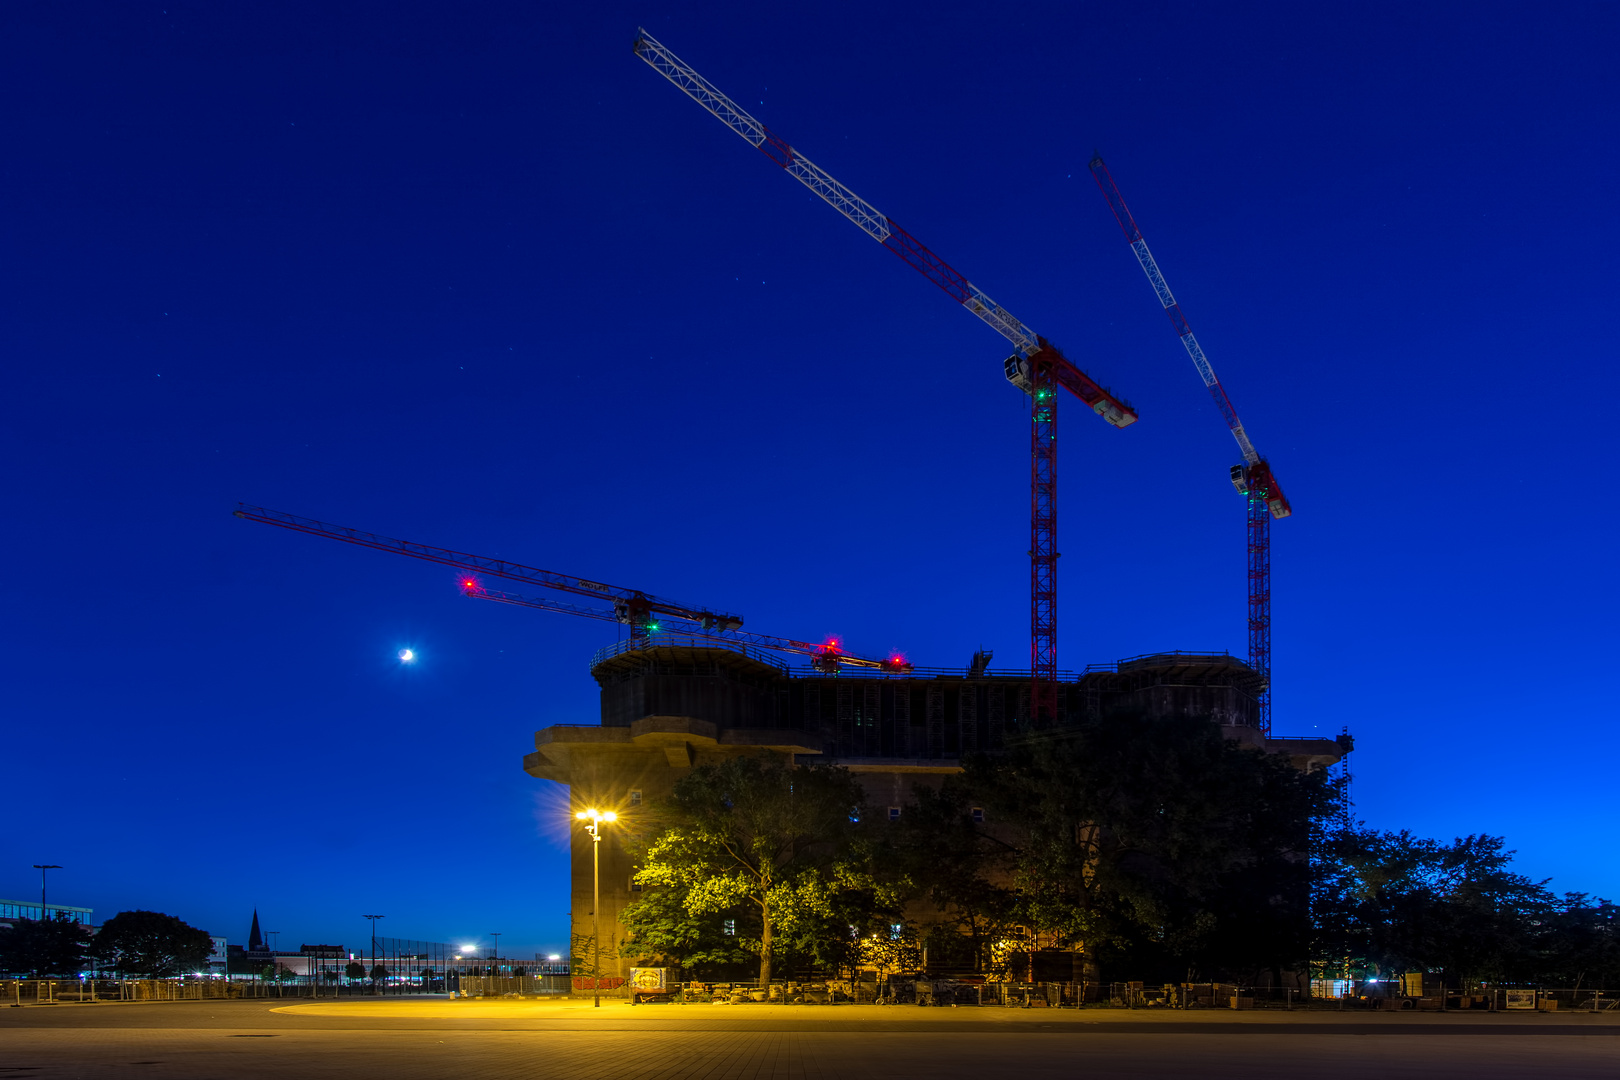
pixel 1253 478
pixel 1036 366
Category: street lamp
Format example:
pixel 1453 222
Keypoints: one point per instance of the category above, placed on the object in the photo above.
pixel 373 971
pixel 44 912
pixel 594 822
pixel 495 951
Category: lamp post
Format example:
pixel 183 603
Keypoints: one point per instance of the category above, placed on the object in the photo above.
pixel 373 971
pixel 44 912
pixel 594 821
pixel 495 952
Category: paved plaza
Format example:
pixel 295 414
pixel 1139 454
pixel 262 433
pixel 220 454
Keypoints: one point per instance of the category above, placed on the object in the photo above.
pixel 440 1039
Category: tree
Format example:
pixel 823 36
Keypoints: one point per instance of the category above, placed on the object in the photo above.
pixel 959 868
pixel 1578 943
pixel 1156 842
pixel 354 969
pixel 661 928
pixel 755 833
pixel 42 947
pixel 379 973
pixel 1391 902
pixel 151 944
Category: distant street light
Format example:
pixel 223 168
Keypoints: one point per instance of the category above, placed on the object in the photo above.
pixel 596 820
pixel 44 912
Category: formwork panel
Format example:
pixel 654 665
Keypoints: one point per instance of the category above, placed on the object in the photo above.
pixel 871 696
pixel 902 719
pixel 967 718
pixel 846 719
pixel 934 718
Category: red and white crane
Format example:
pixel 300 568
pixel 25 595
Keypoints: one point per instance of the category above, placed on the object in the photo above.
pixel 1253 478
pixel 652 619
pixel 1035 367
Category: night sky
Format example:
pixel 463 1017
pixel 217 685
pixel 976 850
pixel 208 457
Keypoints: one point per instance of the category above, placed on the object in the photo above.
pixel 477 276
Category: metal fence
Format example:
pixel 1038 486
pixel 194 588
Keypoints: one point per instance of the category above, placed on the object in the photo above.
pixel 894 990
pixel 65 991
pixel 514 985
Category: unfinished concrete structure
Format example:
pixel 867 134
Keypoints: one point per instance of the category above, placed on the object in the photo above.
pixel 667 708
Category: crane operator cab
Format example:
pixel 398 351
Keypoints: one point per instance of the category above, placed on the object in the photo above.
pixel 1016 368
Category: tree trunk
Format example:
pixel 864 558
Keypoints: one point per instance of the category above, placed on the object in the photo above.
pixel 765 942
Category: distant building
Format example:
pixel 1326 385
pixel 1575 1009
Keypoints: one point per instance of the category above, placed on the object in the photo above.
pixel 11 910
pixel 219 957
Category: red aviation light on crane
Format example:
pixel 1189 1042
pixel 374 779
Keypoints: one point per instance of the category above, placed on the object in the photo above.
pixel 827 659
pixel 470 586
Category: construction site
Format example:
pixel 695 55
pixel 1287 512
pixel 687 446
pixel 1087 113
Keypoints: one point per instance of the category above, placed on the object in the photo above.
pixel 688 685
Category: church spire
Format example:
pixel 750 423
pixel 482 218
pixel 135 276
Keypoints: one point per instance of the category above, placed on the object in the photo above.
pixel 255 939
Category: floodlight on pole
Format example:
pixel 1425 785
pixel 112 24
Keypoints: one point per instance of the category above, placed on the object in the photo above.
pixel 373 971
pixel 44 912
pixel 594 820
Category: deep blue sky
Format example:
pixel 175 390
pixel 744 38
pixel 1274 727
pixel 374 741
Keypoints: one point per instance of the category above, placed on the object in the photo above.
pixel 477 276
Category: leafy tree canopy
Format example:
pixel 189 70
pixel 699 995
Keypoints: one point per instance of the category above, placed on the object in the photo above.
pixel 44 947
pixel 1154 839
pixel 782 844
pixel 151 945
pixel 1390 902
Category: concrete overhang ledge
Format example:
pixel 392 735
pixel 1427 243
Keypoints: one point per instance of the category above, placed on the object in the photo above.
pixel 671 730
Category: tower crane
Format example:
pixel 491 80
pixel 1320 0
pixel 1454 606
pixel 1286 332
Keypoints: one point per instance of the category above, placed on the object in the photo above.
pixel 1036 366
pixel 1252 478
pixel 647 616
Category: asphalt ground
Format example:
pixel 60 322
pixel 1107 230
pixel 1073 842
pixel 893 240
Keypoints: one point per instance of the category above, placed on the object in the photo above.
pixel 437 1038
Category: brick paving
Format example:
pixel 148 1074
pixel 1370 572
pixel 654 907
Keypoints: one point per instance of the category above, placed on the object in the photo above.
pixel 498 1041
